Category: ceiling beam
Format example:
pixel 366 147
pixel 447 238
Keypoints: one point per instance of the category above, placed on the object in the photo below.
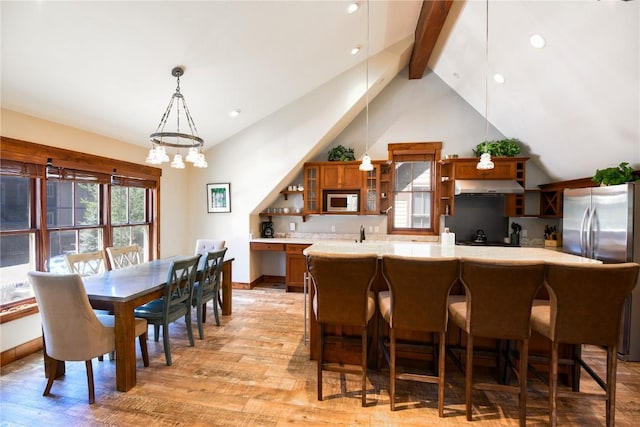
pixel 430 23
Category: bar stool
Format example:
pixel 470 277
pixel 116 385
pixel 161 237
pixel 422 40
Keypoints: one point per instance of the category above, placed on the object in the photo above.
pixel 497 304
pixel 584 307
pixel 342 297
pixel 417 301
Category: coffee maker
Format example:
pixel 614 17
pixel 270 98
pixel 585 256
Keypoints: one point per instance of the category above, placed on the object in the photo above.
pixel 267 229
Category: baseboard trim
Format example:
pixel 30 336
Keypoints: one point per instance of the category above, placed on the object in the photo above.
pixel 21 351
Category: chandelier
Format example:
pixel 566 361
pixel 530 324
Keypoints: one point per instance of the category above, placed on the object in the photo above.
pixel 161 139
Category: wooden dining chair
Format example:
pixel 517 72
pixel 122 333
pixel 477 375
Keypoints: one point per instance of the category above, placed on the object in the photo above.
pixel 71 329
pixel 342 285
pixel 584 307
pixel 416 301
pixel 202 247
pixel 497 304
pixel 207 288
pixel 124 256
pixel 87 263
pixel 175 304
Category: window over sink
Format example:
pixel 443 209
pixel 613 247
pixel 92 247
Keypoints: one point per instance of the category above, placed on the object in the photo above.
pixel 414 188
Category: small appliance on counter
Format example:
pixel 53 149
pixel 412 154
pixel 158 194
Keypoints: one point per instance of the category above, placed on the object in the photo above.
pixel 267 229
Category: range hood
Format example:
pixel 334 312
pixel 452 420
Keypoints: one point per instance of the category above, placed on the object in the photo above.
pixel 487 186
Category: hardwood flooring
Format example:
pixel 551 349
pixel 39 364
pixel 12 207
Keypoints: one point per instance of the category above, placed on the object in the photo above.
pixel 254 370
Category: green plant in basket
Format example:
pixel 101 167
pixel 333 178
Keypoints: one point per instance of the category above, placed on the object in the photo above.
pixel 504 147
pixel 340 153
pixel 615 175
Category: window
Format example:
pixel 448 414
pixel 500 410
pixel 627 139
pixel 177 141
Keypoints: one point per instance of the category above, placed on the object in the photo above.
pixel 48 211
pixel 414 188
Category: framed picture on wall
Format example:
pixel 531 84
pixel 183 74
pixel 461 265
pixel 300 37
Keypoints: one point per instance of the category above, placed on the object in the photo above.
pixel 219 197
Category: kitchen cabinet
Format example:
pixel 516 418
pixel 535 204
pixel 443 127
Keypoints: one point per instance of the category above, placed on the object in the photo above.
pixel 341 175
pixel 465 168
pixel 551 195
pixel 312 193
pixel 296 267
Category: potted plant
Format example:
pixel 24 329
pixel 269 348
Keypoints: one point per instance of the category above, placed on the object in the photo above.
pixel 340 153
pixel 615 175
pixel 504 147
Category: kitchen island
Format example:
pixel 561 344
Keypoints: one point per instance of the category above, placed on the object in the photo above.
pixel 346 353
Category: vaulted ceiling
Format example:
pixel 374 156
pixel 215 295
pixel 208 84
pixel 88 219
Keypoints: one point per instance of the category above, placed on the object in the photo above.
pixel 105 66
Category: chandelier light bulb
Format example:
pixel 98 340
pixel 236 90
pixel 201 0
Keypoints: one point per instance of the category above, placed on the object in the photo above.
pixel 192 155
pixel 177 162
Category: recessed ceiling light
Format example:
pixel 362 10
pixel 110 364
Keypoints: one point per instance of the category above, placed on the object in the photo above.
pixel 499 78
pixel 235 113
pixel 355 50
pixel 352 7
pixel 537 41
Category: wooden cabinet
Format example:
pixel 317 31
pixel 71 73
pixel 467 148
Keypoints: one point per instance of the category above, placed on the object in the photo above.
pixel 341 175
pixel 370 200
pixel 505 168
pixel 551 195
pixel 312 193
pixel 259 246
pixel 296 267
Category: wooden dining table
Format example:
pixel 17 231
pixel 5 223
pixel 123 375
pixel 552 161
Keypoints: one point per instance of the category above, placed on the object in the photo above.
pixel 121 291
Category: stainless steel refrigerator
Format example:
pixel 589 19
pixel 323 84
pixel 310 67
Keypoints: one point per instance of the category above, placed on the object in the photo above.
pixel 604 223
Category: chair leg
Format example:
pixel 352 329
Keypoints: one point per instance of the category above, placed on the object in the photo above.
pixel 156 332
pixel 320 350
pixel 89 367
pixel 365 350
pixel 522 376
pixel 441 368
pixel 200 310
pixel 553 385
pixel 216 312
pixel 187 319
pixel 392 368
pixel 612 365
pixel 468 376
pixel 143 349
pixel 165 342
pixel 52 365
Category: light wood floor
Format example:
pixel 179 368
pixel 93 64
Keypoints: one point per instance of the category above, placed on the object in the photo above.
pixel 254 370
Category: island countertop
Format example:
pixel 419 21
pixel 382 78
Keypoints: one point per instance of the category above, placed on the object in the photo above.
pixel 434 250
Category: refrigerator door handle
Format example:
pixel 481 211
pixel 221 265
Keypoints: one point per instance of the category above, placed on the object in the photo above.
pixel 584 243
pixel 593 221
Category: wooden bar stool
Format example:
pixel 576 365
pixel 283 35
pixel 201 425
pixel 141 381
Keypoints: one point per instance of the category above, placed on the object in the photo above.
pixel 584 307
pixel 342 297
pixel 497 304
pixel 417 301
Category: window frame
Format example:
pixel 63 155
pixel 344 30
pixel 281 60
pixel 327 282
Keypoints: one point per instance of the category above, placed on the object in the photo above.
pixel 23 158
pixel 408 151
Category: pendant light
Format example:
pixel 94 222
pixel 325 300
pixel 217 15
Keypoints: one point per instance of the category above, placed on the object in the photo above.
pixel 366 165
pixel 485 162
pixel 161 139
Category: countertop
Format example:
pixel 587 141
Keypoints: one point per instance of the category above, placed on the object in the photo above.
pixel 433 249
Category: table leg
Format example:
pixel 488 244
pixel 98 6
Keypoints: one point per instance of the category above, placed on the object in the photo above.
pixel 226 287
pixel 125 346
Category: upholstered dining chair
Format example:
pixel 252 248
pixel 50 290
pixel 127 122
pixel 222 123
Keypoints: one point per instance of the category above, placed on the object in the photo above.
pixel 124 256
pixel 417 301
pixel 71 329
pixel 584 307
pixel 175 304
pixel 342 285
pixel 207 288
pixel 88 263
pixel 497 304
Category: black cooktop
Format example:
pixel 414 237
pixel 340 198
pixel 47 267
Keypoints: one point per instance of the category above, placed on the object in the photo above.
pixel 472 243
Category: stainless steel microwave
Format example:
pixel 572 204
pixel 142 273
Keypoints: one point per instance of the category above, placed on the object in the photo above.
pixel 336 201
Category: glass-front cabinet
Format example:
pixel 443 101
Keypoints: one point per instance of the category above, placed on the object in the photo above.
pixel 370 205
pixel 312 196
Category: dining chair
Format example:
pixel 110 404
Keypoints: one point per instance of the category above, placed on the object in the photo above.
pixel 497 304
pixel 416 301
pixel 175 304
pixel 202 247
pixel 207 288
pixel 124 256
pixel 71 329
pixel 342 285
pixel 88 263
pixel 584 307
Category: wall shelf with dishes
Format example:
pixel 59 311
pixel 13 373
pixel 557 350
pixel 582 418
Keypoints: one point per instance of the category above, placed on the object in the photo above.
pixel 287 211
